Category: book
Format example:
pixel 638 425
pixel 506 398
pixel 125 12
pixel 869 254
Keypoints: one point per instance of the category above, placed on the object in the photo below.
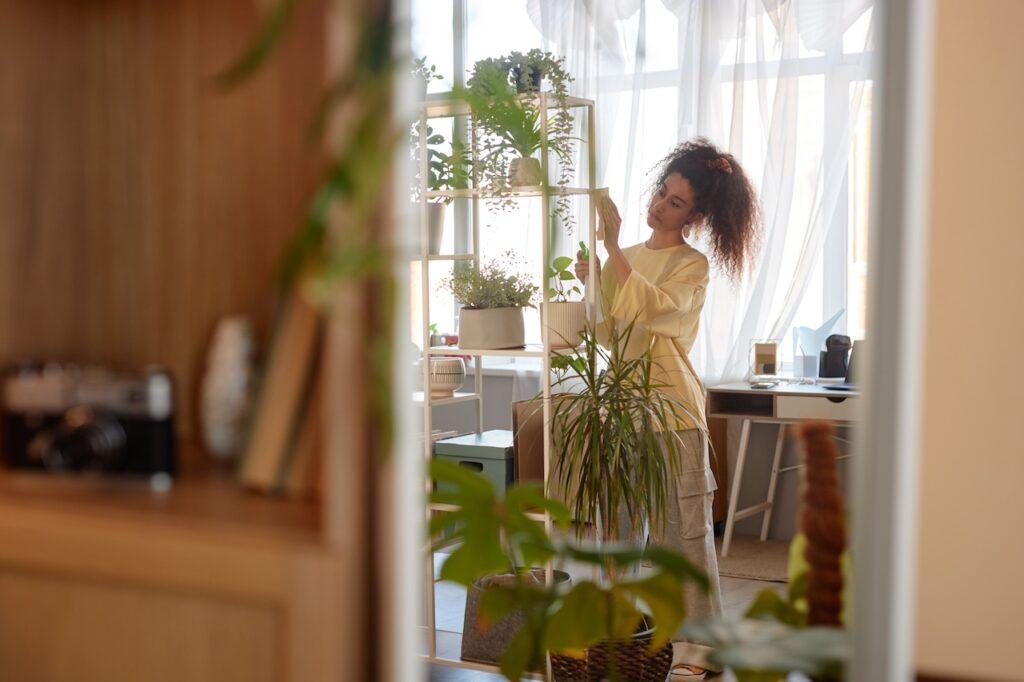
pixel 283 392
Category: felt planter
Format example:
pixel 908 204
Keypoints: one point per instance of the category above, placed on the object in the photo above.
pixel 524 172
pixel 487 646
pixel 491 328
pixel 566 321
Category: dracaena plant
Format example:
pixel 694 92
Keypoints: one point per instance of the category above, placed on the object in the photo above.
pixel 489 535
pixel 610 462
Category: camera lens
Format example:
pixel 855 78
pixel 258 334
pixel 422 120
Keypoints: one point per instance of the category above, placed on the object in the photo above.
pixel 86 439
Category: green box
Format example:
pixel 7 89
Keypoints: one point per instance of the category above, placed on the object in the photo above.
pixel 489 453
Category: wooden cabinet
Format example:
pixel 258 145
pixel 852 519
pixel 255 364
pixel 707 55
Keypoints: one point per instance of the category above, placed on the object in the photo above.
pixel 108 581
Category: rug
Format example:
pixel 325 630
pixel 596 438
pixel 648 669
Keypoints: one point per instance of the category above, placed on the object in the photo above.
pixel 755 560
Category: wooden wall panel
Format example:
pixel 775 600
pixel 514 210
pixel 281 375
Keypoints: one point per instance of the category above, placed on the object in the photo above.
pixel 138 203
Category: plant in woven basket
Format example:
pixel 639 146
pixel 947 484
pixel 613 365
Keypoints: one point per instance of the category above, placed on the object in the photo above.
pixel 801 632
pixel 489 535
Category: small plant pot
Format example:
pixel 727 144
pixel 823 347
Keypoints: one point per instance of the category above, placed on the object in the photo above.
pixel 531 84
pixel 487 646
pixel 491 328
pixel 632 660
pixel 566 321
pixel 447 375
pixel 524 172
pixel 435 227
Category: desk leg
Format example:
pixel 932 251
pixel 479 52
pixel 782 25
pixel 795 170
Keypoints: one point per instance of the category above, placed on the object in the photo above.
pixel 734 492
pixel 779 441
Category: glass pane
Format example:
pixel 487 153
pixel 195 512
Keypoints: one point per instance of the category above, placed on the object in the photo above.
pixel 497 28
pixel 432 37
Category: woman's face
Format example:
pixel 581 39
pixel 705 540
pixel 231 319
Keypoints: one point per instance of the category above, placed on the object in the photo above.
pixel 672 205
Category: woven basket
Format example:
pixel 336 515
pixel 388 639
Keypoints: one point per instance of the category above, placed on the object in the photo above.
pixel 633 662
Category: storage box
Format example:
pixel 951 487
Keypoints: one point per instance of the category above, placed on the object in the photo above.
pixel 489 453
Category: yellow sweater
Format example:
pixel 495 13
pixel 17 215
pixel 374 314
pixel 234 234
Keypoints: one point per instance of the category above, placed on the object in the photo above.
pixel 665 294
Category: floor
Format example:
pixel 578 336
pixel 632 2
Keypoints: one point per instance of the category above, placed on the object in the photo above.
pixel 737 593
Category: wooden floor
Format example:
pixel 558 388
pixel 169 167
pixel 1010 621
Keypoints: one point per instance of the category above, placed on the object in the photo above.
pixel 737 593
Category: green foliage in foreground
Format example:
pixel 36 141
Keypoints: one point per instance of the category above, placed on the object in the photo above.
pixel 503 536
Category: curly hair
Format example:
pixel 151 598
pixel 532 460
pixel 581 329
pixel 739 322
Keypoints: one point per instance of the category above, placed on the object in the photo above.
pixel 725 199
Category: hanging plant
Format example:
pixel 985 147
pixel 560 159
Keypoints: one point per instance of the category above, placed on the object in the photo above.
pixel 507 127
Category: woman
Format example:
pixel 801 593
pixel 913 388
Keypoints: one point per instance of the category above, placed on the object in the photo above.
pixel 661 284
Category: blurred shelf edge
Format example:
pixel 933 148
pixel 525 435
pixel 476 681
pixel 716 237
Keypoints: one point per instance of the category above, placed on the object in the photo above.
pixel 459 397
pixel 200 501
pixel 442 104
pixel 443 507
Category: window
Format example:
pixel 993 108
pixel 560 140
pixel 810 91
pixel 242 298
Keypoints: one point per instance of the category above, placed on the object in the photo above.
pixel 833 88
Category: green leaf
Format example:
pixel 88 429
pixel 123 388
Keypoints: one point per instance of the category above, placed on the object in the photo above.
pixel 521 655
pixel 589 614
pixel 561 263
pixel 769 605
pixel 565 275
pixel 663 595
pixel 264 43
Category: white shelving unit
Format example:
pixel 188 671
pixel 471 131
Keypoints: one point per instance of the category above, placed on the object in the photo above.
pixel 440 107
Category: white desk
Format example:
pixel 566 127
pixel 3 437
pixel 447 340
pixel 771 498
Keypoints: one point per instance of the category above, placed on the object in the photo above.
pixel 782 404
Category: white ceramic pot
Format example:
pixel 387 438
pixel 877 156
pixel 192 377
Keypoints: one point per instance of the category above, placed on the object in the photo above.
pixel 566 321
pixel 447 375
pixel 491 328
pixel 524 172
pixel 435 227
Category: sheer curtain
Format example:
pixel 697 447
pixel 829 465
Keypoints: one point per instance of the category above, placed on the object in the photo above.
pixel 778 83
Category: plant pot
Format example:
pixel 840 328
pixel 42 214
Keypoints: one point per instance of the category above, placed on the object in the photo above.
pixel 524 172
pixel 489 645
pixel 633 661
pixel 491 328
pixel 532 83
pixel 447 375
pixel 435 227
pixel 566 321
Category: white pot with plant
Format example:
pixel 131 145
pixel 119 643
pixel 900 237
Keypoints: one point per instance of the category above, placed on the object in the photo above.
pixel 445 171
pixel 493 301
pixel 565 319
pixel 423 73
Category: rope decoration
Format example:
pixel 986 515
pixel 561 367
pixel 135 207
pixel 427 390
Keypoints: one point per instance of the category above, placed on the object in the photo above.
pixel 823 523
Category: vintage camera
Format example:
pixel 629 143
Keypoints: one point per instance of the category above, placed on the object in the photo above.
pixel 63 417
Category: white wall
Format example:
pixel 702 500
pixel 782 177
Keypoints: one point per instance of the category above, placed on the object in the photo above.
pixel 970 611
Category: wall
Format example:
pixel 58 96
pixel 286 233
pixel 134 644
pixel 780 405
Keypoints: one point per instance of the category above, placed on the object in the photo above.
pixel 970 588
pixel 139 203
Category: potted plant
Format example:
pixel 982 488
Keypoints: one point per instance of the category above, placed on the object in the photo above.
pixel 423 73
pixel 444 172
pixel 565 318
pixel 607 465
pixel 493 302
pixel 615 629
pixel 507 126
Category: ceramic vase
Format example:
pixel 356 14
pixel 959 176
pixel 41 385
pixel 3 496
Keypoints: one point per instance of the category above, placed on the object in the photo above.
pixel 447 375
pixel 566 321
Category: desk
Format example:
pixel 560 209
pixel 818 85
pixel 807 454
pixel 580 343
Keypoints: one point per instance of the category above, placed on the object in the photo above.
pixel 782 404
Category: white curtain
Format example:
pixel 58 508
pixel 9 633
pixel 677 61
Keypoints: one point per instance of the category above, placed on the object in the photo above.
pixel 750 75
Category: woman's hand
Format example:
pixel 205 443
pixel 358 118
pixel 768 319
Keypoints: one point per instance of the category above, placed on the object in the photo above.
pixel 583 267
pixel 610 223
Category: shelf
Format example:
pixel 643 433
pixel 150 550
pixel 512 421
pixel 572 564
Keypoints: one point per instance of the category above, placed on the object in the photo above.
pixel 459 397
pixel 534 350
pixel 531 350
pixel 517 192
pixel 447 257
pixel 441 105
